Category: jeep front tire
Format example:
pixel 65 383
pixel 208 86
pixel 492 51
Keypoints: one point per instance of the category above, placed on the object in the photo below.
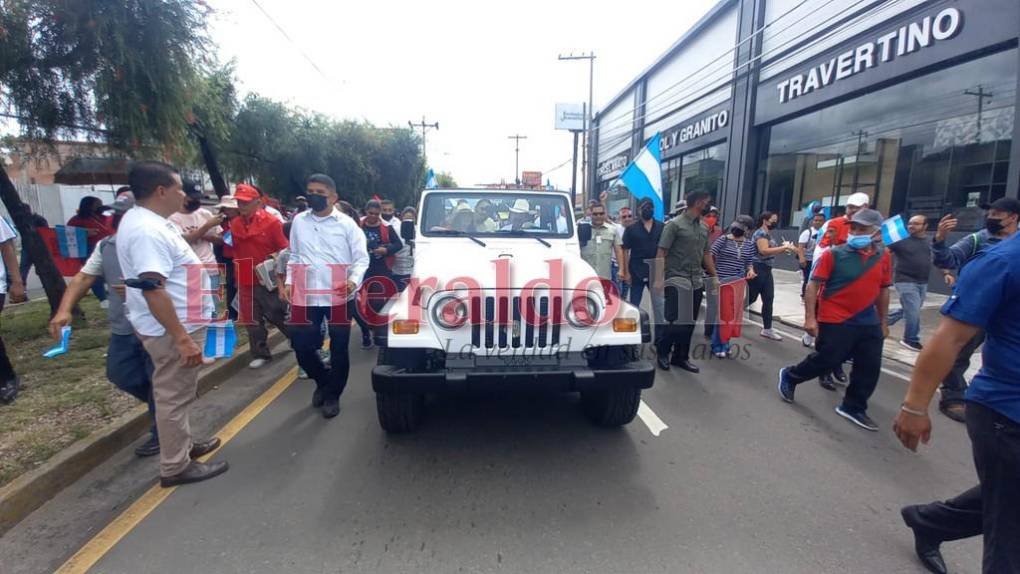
pixel 611 407
pixel 400 412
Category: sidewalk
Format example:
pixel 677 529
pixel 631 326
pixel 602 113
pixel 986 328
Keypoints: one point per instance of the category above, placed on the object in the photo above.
pixel 789 310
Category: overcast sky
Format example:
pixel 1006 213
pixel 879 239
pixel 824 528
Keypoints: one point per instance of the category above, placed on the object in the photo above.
pixel 483 70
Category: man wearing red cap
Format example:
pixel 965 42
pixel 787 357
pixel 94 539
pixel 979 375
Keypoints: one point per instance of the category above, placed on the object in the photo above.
pixel 257 235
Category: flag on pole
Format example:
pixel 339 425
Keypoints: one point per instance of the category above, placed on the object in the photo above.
pixel 430 181
pixel 72 241
pixel 643 177
pixel 894 230
pixel 220 339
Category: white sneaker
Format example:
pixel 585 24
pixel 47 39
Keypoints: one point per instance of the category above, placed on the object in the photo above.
pixel 208 360
pixel 771 334
pixel 257 363
pixel 104 304
pixel 807 340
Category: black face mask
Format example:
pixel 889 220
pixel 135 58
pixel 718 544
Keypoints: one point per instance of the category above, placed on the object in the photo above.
pixel 737 231
pixel 192 204
pixel 646 213
pixel 769 225
pixel 317 202
pixel 994 226
pixel 387 216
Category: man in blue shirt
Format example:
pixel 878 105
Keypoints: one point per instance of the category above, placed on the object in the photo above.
pixel 987 298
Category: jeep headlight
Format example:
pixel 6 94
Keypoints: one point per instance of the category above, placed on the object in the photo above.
pixel 583 312
pixel 450 312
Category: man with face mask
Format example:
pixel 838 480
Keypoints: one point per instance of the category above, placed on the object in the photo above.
pixel 388 214
pixel 846 307
pixel 1000 223
pixel 640 242
pixel 200 228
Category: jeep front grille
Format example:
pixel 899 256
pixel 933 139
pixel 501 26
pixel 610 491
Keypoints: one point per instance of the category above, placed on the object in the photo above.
pixel 503 322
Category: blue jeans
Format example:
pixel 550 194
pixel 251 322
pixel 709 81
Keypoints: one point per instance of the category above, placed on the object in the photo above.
pixel 130 368
pixel 306 340
pixel 911 299
pixel 638 283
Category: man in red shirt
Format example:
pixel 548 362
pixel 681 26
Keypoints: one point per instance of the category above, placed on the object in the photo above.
pixel 846 306
pixel 256 236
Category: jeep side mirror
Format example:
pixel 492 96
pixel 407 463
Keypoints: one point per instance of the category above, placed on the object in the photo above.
pixel 584 233
pixel 407 230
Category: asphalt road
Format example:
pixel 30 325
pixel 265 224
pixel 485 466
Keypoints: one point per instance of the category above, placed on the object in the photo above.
pixel 738 482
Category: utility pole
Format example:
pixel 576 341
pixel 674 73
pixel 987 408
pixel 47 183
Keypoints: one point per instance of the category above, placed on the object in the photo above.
pixel 517 155
pixel 585 143
pixel 981 95
pixel 573 173
pixel 424 126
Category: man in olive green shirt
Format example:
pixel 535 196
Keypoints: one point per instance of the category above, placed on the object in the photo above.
pixel 684 246
pixel 604 243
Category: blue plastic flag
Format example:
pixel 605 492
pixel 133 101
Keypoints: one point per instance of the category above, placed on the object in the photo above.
pixel 60 348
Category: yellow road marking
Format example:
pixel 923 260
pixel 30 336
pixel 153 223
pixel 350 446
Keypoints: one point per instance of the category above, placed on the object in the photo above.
pixel 108 537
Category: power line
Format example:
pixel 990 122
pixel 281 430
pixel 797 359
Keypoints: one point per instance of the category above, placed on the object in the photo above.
pixel 292 42
pixel 424 126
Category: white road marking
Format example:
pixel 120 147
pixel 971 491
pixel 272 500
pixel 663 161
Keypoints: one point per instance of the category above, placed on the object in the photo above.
pixel 651 420
pixel 889 372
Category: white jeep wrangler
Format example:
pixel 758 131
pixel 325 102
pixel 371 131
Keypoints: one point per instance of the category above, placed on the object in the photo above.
pixel 500 298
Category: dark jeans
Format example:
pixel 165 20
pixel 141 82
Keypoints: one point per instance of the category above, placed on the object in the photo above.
pixel 25 265
pixel 6 369
pixel 306 340
pixel 376 290
pixel 835 344
pixel 996 444
pixel 765 286
pixel 638 283
pixel 806 272
pixel 129 368
pixel 230 287
pixel 99 289
pixel 681 309
pixel 955 385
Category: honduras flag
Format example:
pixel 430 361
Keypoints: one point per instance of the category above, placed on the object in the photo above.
pixel 73 241
pixel 430 181
pixel 643 177
pixel 220 339
pixel 894 230
pixel 228 238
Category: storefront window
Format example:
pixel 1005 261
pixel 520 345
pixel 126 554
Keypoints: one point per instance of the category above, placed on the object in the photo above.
pixel 702 169
pixel 932 145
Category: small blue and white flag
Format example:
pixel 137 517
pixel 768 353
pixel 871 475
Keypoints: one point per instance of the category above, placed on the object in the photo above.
pixel 893 230
pixel 220 339
pixel 228 238
pixel 430 181
pixel 643 177
pixel 73 241
pixel 60 348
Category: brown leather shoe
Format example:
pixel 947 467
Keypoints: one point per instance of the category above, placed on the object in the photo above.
pixel 956 411
pixel 196 472
pixel 204 447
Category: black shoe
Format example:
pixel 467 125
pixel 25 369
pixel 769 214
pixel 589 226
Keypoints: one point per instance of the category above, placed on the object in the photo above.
pixel 9 390
pixel 840 375
pixel 663 362
pixel 330 409
pixel 860 419
pixel 927 549
pixel 196 472
pixel 204 447
pixel 785 386
pixel 687 366
pixel 955 411
pixel 317 399
pixel 148 448
pixel 366 343
pixel 827 383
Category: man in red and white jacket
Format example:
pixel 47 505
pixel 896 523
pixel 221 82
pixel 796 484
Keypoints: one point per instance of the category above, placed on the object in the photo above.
pixel 383 243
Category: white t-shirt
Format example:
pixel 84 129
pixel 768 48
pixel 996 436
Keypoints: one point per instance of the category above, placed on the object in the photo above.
pixel 318 242
pixel 7 233
pixel 188 222
pixel 150 243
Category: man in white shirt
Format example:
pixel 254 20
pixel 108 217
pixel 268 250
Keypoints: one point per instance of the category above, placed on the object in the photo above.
pixel 201 229
pixel 9 381
pixel 168 309
pixel 328 259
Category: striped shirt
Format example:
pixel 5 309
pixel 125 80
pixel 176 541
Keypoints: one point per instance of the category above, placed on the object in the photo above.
pixel 732 258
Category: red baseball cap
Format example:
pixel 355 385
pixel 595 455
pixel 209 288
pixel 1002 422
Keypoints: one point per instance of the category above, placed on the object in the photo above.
pixel 245 192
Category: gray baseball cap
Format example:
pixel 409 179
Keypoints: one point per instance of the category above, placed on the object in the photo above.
pixel 868 217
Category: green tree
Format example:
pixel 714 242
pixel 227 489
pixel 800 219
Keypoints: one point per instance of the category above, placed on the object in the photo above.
pixel 124 72
pixel 444 179
pixel 211 118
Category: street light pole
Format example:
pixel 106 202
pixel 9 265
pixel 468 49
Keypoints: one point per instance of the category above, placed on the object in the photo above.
pixel 517 155
pixel 424 126
pixel 588 116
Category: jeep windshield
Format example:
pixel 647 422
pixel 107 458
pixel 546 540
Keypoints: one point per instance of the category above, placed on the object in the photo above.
pixel 489 214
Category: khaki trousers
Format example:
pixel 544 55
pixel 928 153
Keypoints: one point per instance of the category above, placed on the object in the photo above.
pixel 174 388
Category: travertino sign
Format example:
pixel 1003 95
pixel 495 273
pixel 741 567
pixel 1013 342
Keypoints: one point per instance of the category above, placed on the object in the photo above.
pixel 901 42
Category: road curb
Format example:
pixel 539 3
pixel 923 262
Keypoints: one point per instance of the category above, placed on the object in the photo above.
pixel 25 494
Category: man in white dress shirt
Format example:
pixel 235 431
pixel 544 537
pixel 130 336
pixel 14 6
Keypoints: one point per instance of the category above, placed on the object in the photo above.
pixel 328 259
pixel 168 308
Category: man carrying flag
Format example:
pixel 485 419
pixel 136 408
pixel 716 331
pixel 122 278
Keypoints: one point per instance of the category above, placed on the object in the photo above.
pixel 911 267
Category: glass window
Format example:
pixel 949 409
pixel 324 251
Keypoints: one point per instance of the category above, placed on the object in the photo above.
pixel 932 145
pixel 702 169
pixel 493 214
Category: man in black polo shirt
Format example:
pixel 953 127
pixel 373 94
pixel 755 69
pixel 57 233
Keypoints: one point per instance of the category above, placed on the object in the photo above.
pixel 640 242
